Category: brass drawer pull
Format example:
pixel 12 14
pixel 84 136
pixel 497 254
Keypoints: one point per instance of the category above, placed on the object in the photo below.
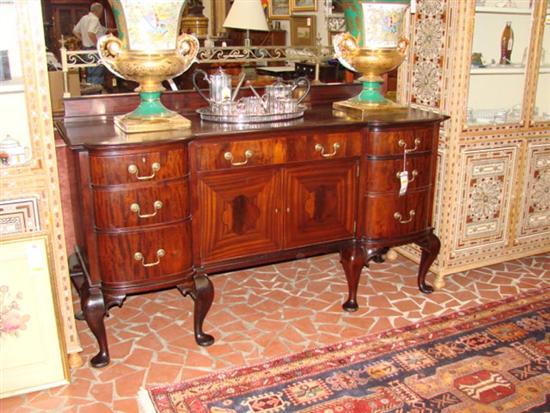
pixel 414 174
pixel 403 144
pixel 133 169
pixel 399 217
pixel 137 209
pixel 247 155
pixel 320 148
pixel 138 256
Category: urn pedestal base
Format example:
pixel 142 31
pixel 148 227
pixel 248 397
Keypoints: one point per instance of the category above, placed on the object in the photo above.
pixel 151 124
pixel 363 110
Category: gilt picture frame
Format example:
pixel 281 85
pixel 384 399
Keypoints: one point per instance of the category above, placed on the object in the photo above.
pixel 303 5
pixel 303 30
pixel 278 9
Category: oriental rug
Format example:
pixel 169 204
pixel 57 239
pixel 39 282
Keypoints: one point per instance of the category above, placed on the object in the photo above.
pixel 491 358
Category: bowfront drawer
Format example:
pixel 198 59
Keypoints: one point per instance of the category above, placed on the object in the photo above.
pixel 141 204
pixel 144 166
pixel 324 146
pixel 145 256
pixel 383 175
pixel 395 142
pixel 389 216
pixel 238 153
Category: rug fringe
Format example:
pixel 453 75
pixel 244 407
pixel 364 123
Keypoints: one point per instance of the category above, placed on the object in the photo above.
pixel 144 402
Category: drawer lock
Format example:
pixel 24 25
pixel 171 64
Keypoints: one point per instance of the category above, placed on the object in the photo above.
pixel 133 169
pixel 247 155
pixel 399 217
pixel 320 148
pixel 137 209
pixel 138 256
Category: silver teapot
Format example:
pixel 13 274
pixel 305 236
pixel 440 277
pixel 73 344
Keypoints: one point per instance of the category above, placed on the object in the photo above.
pixel 219 86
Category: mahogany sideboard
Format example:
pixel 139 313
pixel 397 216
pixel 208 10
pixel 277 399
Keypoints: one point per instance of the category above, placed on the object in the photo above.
pixel 164 210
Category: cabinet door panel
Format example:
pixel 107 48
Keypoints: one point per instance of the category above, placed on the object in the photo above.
pixel 240 213
pixel 321 200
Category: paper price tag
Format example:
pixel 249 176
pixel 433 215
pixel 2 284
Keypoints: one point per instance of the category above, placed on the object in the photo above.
pixel 404 180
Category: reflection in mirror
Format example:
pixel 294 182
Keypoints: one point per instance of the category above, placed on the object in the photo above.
pixel 15 140
pixel 204 18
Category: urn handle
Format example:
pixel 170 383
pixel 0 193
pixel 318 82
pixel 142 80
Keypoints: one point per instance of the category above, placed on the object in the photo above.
pixel 187 47
pixel 109 48
pixel 346 48
pixel 402 45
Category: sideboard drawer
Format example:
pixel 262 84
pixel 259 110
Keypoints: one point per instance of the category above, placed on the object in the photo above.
pixel 395 142
pixel 141 205
pixel 144 166
pixel 388 216
pixel 144 256
pixel 238 153
pixel 383 175
pixel 324 146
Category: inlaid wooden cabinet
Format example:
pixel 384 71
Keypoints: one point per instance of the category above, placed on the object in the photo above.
pixel 494 169
pixel 166 212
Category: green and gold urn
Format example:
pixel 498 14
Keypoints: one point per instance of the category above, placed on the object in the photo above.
pixel 373 45
pixel 148 50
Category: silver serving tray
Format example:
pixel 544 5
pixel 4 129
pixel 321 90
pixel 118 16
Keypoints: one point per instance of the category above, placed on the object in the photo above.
pixel 206 114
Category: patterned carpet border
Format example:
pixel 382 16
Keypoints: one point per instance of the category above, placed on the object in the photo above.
pixel 234 382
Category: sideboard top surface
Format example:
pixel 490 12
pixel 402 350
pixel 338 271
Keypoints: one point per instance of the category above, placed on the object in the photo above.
pixel 97 131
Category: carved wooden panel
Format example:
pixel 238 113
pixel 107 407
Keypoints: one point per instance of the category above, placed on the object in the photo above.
pixel 321 203
pixel 534 218
pixel 241 213
pixel 485 196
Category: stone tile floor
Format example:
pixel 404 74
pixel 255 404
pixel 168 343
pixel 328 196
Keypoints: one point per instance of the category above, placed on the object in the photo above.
pixel 262 313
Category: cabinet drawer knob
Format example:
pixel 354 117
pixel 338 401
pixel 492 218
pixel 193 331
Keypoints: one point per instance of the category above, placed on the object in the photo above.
pixel 133 170
pixel 138 256
pixel 399 217
pixel 247 155
pixel 403 144
pixel 320 148
pixel 414 174
pixel 137 209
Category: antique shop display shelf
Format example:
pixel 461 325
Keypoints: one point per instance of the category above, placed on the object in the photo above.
pixel 493 177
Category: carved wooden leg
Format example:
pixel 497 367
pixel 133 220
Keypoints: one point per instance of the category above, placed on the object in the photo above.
pixel 439 282
pixel 93 306
pixel 353 261
pixel 430 246
pixel 77 278
pixel 202 295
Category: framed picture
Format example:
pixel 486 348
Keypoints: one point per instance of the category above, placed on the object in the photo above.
pixel 302 30
pixel 278 9
pixel 29 316
pixel 303 5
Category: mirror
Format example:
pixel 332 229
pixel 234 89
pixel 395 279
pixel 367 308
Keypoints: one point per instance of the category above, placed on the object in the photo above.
pixel 60 17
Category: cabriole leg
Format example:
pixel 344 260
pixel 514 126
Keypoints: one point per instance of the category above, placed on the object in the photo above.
pixel 202 295
pixel 353 261
pixel 93 307
pixel 430 246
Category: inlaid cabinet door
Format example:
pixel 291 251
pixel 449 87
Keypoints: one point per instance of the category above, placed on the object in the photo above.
pixel 320 203
pixel 240 213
